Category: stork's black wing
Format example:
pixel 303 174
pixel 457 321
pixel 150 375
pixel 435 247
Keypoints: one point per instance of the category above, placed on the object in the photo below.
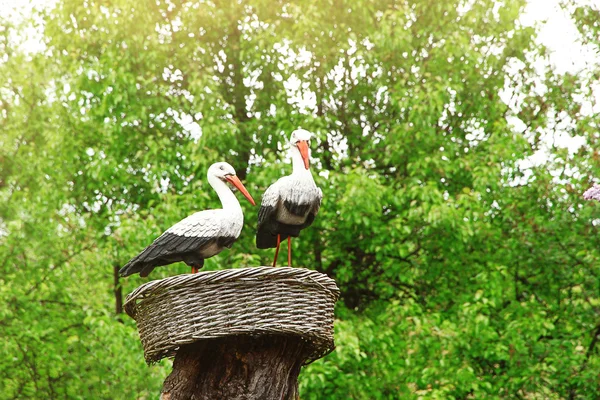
pixel 188 235
pixel 265 238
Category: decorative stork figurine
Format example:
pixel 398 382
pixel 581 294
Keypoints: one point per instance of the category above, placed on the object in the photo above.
pixel 290 204
pixel 201 235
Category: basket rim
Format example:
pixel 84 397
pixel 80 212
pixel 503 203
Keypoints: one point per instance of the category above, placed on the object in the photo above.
pixel 250 274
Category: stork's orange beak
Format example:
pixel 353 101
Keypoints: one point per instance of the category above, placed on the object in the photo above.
pixel 235 181
pixel 303 147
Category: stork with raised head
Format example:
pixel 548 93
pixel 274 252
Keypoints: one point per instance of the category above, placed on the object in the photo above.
pixel 290 204
pixel 201 235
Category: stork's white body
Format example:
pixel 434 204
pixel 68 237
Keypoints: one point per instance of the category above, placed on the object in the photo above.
pixel 295 189
pixel 224 222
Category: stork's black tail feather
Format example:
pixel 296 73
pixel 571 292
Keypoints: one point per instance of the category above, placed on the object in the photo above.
pixel 265 240
pixel 143 263
pixel 133 267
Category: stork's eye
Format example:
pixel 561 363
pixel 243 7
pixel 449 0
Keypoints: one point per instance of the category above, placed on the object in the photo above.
pixel 221 168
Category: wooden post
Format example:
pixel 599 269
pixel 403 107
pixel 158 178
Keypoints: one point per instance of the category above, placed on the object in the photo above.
pixel 237 368
pixel 238 334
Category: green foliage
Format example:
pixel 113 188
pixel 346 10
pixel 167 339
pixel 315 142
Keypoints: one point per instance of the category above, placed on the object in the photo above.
pixel 465 273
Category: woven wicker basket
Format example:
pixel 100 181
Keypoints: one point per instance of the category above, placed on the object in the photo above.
pixel 183 309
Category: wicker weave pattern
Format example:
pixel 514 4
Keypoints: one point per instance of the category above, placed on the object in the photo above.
pixel 251 301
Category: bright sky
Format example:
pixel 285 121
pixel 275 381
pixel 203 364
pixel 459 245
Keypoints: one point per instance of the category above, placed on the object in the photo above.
pixel 559 34
pixel 7 7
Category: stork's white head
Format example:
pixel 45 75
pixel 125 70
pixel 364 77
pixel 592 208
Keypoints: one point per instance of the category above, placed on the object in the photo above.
pixel 300 134
pixel 221 170
pixel 301 139
pixel 226 173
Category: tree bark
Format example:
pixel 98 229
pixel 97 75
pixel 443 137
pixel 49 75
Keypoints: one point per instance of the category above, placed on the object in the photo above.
pixel 118 290
pixel 237 368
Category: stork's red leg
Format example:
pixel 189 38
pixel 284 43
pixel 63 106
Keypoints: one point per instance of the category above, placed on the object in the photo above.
pixel 277 250
pixel 194 270
pixel 289 251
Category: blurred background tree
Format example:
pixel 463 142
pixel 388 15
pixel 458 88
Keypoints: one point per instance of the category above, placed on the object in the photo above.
pixel 446 147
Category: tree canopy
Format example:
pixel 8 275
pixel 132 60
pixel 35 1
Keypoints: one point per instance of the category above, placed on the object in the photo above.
pixel 452 217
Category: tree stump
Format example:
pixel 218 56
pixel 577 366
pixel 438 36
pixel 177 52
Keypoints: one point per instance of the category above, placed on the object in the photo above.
pixel 236 334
